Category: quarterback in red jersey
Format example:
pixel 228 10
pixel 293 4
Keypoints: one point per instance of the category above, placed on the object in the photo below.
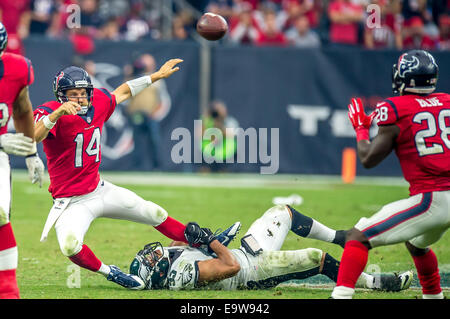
pixel 16 74
pixel 416 125
pixel 71 130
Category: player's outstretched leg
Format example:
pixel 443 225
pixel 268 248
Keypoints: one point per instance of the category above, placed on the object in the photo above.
pixel 427 270
pixel 173 229
pixel 85 258
pixel 8 263
pixel 308 227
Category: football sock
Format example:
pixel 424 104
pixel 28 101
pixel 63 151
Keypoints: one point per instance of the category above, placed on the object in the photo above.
pixel 353 262
pixel 367 281
pixel 86 259
pixel 172 229
pixel 8 263
pixel 428 273
pixel 104 269
pixel 339 238
pixel 308 227
pixel 330 267
pixel 8 284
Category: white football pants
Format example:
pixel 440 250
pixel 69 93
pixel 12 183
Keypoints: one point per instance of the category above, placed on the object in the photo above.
pixel 5 188
pixel 420 219
pixel 108 201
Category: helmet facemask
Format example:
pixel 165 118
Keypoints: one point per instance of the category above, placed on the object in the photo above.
pixel 154 265
pixel 89 95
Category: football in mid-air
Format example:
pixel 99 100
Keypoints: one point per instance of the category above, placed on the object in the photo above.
pixel 212 26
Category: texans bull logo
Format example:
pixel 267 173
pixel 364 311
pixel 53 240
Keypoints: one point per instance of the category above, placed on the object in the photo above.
pixel 407 64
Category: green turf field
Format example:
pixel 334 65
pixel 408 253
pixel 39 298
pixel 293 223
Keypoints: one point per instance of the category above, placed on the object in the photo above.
pixel 212 201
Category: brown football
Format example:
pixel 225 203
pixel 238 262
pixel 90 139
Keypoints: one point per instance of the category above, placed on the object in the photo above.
pixel 212 26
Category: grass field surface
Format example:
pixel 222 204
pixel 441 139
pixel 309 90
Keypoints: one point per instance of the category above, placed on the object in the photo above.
pixel 214 201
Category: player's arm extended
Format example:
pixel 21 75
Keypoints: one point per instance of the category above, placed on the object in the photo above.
pixel 371 153
pixel 134 87
pixel 216 269
pixel 46 123
pixel 23 114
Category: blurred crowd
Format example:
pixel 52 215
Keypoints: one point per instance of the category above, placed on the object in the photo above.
pixel 373 24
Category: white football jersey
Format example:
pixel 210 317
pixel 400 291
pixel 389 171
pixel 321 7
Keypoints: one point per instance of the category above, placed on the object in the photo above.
pixel 183 273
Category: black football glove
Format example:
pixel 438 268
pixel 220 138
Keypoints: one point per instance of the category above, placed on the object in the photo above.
pixel 196 236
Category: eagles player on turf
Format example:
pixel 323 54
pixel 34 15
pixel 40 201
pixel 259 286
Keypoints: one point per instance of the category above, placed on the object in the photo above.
pixel 258 263
pixel 16 74
pixel 416 125
pixel 71 130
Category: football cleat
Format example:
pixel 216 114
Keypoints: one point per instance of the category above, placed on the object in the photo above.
pixel 396 281
pixel 125 280
pixel 225 237
pixel 228 234
pixel 406 279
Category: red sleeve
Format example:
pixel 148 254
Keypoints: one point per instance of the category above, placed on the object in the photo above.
pixel 387 113
pixel 29 76
pixel 42 111
pixel 111 98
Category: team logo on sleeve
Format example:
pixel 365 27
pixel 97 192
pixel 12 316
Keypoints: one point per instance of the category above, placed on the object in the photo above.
pixel 407 64
pixel 187 274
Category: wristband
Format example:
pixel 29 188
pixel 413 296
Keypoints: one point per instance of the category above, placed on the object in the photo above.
pixel 139 84
pixel 47 123
pixel 362 134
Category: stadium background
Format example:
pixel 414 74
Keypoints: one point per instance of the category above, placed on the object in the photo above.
pixel 300 85
pixel 265 81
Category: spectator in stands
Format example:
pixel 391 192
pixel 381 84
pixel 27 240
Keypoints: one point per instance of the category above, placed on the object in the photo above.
pixel 345 18
pixel 146 110
pixel 389 33
pixel 136 27
pixel 64 17
pixel 243 31
pixel 444 29
pixel 179 30
pixel 416 38
pixel 301 35
pixel 270 34
pixel 110 30
pixel 221 7
pixel 292 9
pixel 42 17
pixel 12 15
pixel 90 19
pixel 415 8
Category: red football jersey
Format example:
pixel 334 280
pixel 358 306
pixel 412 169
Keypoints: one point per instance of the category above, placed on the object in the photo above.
pixel 73 146
pixel 16 72
pixel 423 144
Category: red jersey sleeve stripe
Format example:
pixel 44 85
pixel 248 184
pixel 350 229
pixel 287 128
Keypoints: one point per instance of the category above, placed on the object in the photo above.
pixel 393 107
pixel 45 108
pixel 29 71
pixel 399 217
pixel 106 92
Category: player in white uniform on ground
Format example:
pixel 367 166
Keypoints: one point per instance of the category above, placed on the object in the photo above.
pixel 258 263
